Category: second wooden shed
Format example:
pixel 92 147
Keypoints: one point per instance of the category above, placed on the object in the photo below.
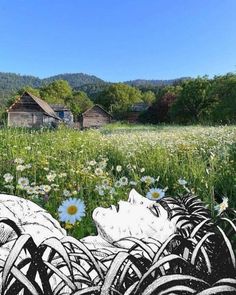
pixel 95 117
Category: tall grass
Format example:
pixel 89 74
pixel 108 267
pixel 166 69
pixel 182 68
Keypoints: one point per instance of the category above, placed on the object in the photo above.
pixel 84 164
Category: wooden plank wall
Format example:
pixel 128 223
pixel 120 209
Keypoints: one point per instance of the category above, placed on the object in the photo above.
pixel 95 117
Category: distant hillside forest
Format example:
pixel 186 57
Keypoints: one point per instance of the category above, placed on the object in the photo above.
pixel 10 83
pixel 182 101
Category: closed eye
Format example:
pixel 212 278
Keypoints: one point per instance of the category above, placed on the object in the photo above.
pixel 155 210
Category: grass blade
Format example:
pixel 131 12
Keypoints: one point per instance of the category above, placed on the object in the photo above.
pixel 180 289
pixel 226 281
pixel 13 255
pixel 57 246
pixel 220 290
pixel 141 244
pixel 61 275
pixel 229 246
pixel 86 251
pixel 173 280
pixel 198 247
pixel 158 264
pixel 164 245
pixel 131 289
pixel 88 291
pixel 113 271
pixel 197 228
pixel 22 279
pixel 230 222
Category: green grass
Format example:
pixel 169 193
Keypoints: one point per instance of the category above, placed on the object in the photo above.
pixel 204 156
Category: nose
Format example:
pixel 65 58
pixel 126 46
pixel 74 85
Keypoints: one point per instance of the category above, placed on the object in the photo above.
pixel 135 197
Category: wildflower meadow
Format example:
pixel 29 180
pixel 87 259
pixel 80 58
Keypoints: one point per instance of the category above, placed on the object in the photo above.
pixel 71 172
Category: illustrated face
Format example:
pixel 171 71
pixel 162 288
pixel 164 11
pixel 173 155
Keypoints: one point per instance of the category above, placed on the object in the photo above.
pixel 135 218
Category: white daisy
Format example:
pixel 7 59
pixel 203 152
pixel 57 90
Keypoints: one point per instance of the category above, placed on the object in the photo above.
pixel 66 193
pixel 8 177
pixel 19 161
pixel 20 168
pixel 222 206
pixel 23 182
pixel 98 171
pixel 155 194
pixel 46 188
pixel 118 168
pixel 92 163
pixel 51 177
pixel 182 182
pixel 147 179
pixel 71 210
pixel 118 183
pixel 124 180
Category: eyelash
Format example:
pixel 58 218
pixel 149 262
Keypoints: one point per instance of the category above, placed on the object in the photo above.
pixel 157 212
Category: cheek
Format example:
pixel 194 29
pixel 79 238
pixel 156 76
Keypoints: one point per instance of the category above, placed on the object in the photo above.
pixel 157 227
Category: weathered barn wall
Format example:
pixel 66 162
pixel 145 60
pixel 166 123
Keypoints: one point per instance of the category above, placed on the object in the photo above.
pixel 31 111
pixel 133 117
pixel 25 119
pixel 95 117
pixel 47 120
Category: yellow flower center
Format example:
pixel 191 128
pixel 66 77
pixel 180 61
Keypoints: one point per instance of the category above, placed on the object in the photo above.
pixel 155 195
pixel 72 209
pixel 223 207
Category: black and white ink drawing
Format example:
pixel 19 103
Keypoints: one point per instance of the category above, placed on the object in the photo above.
pixel 142 247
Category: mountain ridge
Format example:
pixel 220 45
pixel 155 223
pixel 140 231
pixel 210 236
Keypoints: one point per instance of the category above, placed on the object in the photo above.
pixel 11 82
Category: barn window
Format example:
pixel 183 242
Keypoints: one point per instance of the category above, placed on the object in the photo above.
pixel 61 114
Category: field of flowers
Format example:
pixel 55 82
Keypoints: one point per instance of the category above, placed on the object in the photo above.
pixel 99 167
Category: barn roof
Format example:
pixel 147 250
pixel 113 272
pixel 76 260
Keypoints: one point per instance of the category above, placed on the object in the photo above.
pixel 97 105
pixel 59 107
pixel 139 107
pixel 43 104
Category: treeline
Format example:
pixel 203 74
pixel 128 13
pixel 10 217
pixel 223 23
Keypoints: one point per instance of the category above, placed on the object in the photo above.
pixel 190 101
pixel 200 100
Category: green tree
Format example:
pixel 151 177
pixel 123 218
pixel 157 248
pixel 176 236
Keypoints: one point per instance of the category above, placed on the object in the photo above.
pixel 79 103
pixel 148 97
pixel 223 94
pixel 193 101
pixel 159 110
pixel 56 92
pixel 34 91
pixel 118 98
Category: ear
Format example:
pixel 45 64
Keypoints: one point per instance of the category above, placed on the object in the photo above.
pixel 133 193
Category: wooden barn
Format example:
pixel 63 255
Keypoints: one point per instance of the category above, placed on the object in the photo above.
pixel 31 111
pixel 136 110
pixel 95 117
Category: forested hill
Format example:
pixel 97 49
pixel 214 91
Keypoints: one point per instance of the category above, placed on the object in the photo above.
pixel 143 82
pixel 75 80
pixel 10 82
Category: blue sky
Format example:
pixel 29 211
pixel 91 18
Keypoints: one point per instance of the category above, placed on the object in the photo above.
pixel 118 40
